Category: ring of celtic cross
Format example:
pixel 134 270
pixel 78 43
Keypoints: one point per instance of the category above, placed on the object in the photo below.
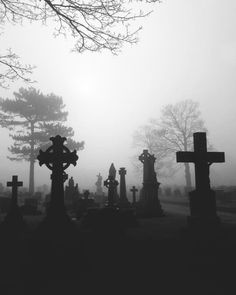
pixel 65 150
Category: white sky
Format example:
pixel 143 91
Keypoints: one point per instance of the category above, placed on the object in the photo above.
pixel 187 49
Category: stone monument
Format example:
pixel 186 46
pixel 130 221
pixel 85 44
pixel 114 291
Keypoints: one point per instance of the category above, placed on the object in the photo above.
pixel 57 158
pixel 202 199
pixel 149 202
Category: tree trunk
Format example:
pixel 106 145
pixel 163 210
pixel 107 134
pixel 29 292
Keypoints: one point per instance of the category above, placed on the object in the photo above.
pixel 187 169
pixel 31 173
pixel 188 176
pixel 31 177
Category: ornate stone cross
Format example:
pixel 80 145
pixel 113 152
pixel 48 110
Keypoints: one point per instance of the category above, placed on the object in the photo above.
pixel 134 190
pixel 202 160
pixel 57 158
pixel 14 184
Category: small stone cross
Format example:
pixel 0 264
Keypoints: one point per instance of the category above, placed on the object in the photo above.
pixel 14 184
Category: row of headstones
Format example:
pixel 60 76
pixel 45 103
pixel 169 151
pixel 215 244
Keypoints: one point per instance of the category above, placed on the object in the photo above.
pixel 202 200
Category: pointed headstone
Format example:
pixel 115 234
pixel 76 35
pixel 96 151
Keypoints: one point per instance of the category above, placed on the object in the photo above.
pixel 111 183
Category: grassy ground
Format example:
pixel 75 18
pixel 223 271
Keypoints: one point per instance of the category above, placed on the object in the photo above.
pixel 159 256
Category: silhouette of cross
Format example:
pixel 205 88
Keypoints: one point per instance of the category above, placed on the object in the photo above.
pixel 202 160
pixel 14 184
pixel 57 155
pixel 134 190
pixel 57 158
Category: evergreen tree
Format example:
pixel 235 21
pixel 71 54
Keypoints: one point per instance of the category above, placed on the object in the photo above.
pixel 33 118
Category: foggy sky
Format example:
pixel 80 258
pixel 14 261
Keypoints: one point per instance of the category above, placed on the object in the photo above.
pixel 186 50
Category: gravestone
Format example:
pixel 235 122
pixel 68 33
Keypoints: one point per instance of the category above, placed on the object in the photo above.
pixel 111 183
pixel 57 158
pixel 14 217
pixel 202 199
pixel 149 202
pixel 134 190
pixel 123 200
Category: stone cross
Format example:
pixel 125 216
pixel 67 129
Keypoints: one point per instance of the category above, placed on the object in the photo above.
pixel 123 195
pixel 134 190
pixel 111 183
pixel 57 158
pixel 202 160
pixel 14 184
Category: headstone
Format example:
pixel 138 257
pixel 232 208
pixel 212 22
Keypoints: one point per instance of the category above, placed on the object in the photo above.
pixel 57 158
pixel 149 201
pixel 134 191
pixel 123 200
pixel 202 199
pixel 111 183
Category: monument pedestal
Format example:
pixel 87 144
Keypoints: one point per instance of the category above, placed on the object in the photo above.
pixel 149 204
pixel 203 210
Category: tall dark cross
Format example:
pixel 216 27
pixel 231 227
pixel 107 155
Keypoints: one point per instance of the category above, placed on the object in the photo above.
pixel 111 183
pixel 134 191
pixel 202 160
pixel 57 158
pixel 123 195
pixel 14 184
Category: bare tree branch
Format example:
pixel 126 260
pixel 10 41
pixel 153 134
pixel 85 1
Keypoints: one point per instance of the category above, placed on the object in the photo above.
pixel 11 69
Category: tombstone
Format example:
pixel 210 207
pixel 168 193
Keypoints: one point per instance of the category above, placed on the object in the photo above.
pixel 202 199
pixel 14 217
pixel 57 158
pixel 134 191
pixel 123 200
pixel 111 183
pixel 149 201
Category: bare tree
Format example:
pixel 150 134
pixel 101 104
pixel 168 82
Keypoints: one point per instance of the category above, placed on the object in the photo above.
pixel 176 126
pixel 149 137
pixel 94 24
pixel 171 133
pixel 11 69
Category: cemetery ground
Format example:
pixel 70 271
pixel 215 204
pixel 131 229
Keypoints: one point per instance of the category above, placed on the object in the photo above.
pixel 158 256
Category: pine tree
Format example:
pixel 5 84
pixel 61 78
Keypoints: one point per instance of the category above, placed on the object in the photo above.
pixel 33 118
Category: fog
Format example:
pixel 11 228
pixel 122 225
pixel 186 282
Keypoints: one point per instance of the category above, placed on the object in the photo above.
pixel 186 50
